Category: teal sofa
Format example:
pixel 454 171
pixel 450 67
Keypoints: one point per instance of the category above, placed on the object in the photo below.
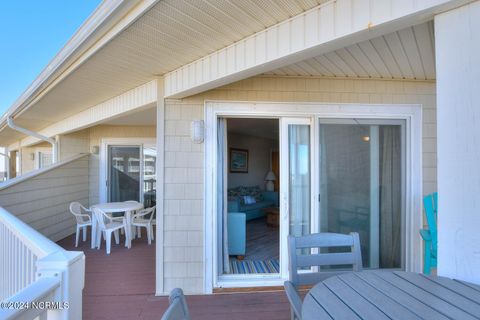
pixel 237 234
pixel 264 199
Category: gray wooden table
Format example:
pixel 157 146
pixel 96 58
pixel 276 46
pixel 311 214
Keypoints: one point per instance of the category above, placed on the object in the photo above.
pixel 391 295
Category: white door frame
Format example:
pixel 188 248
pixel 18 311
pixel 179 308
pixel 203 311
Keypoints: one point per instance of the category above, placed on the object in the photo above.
pixel 411 113
pixel 103 173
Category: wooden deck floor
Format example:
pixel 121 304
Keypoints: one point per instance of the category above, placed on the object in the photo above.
pixel 121 286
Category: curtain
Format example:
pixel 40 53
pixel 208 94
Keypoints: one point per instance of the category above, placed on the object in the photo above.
pixel 222 163
pixel 299 176
pixel 323 182
pixel 390 197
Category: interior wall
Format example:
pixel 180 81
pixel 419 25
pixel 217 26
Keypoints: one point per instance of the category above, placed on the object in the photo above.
pixel 183 208
pixel 259 150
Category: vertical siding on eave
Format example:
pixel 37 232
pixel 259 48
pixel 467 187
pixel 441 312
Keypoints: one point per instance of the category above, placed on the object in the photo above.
pixel 333 20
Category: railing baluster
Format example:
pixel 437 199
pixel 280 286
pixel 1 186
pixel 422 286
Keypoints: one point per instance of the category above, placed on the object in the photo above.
pixel 23 251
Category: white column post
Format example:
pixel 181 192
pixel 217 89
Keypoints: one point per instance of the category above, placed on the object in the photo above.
pixel 160 186
pixel 457 46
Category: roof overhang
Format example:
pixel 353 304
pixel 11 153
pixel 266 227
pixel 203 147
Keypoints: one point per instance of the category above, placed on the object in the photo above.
pixel 126 44
pixel 323 29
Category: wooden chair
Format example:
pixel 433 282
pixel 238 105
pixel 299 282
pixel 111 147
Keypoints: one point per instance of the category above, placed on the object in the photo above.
pixel 313 241
pixel 83 218
pixel 429 236
pixel 178 309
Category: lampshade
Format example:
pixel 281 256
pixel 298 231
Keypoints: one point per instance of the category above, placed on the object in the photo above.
pixel 270 176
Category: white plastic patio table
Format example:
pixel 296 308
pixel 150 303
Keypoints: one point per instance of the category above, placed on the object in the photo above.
pixel 391 295
pixel 114 207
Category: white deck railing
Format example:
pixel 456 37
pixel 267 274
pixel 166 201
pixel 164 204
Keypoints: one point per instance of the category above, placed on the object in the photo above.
pixel 37 277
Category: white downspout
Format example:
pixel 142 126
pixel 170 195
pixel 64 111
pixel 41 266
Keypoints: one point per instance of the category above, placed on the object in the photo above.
pixel 7 164
pixel 52 141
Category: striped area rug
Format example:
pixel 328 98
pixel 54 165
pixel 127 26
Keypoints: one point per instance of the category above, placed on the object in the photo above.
pixel 254 266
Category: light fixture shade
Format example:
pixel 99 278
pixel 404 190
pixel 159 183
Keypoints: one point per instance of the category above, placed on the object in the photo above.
pixel 270 176
pixel 197 131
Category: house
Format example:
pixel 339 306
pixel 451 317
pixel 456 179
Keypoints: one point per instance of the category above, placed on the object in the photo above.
pixel 245 122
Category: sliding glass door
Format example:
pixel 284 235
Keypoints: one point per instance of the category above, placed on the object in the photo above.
pixel 361 181
pixel 131 173
pixel 296 205
pixel 123 173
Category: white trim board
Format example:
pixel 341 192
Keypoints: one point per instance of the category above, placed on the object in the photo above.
pixel 134 100
pixel 411 114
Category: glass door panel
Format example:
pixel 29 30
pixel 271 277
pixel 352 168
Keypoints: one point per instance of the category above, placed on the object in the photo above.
pixel 124 169
pixel 296 156
pixel 149 176
pixel 299 204
pixel 361 186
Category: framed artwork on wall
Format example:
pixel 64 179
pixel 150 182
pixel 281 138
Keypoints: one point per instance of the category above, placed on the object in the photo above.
pixel 238 160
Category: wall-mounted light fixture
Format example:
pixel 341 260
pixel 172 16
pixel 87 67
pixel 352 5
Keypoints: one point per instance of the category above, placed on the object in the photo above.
pixel 197 131
pixel 32 155
pixel 94 149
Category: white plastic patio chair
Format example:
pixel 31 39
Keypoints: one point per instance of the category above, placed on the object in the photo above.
pixel 107 226
pixel 120 218
pixel 139 220
pixel 84 219
pixel 177 309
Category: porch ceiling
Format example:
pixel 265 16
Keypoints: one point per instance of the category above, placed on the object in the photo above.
pixel 404 54
pixel 169 35
pixel 145 117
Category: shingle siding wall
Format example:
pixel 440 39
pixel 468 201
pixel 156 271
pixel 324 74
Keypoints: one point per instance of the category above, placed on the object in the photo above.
pixel 183 221
pixel 183 234
pixel 43 201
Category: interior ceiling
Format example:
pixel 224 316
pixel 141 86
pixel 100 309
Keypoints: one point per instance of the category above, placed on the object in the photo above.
pixel 405 54
pixel 171 34
pixel 263 128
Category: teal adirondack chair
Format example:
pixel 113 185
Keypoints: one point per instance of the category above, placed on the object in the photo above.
pixel 429 236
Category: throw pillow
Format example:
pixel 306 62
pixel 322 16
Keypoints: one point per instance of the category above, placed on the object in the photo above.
pixel 249 200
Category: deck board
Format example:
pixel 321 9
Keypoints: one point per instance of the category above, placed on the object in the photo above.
pixel 121 286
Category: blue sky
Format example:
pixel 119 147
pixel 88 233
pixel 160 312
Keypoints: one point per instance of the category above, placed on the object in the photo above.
pixel 31 33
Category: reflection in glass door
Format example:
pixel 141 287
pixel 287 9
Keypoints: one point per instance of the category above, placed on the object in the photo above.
pixel 123 173
pixel 299 188
pixel 149 176
pixel 361 186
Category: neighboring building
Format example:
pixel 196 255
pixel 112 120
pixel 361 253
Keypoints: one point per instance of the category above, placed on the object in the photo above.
pixel 297 117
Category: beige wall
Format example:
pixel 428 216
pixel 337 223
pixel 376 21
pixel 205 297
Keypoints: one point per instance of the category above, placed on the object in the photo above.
pixel 73 143
pixel 96 134
pixel 81 142
pixel 28 163
pixel 183 221
pixel 43 201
